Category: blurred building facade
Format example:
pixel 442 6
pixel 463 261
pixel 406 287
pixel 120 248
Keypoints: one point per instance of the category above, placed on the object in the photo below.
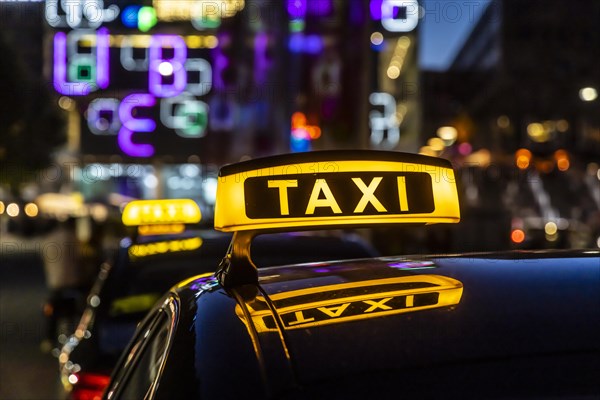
pixel 160 93
pixel 523 90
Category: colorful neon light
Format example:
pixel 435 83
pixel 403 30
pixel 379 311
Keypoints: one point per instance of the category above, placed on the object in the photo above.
pixel 396 15
pixel 129 16
pixel 205 79
pixel 103 116
pixel 65 47
pixel 132 125
pixel 387 121
pixel 155 79
pixel 220 61
pixel 296 9
pixel 126 56
pixel 185 114
pixel 80 13
pixel 299 9
pixel 261 62
pixel 311 44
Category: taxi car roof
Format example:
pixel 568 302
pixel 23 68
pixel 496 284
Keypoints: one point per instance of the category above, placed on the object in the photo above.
pixel 533 319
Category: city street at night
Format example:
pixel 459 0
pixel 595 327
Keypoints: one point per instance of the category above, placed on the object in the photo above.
pixel 25 371
pixel 299 199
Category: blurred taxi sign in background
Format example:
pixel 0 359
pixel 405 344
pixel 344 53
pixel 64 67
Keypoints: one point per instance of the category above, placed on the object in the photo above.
pixel 335 188
pixel 161 212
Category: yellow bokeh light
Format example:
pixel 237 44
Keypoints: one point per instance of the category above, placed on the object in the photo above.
pixel 503 121
pixel 193 41
pixel 12 210
pixel 551 228
pixel 403 42
pixel 448 133
pixel 538 132
pixel 31 210
pixel 393 72
pixel 2 207
pixel 436 144
pixel 588 94
pixel 427 151
pixel 211 41
pixel 376 38
pixel 66 103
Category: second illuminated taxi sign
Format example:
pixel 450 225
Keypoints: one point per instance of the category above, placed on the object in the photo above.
pixel 335 188
pixel 161 212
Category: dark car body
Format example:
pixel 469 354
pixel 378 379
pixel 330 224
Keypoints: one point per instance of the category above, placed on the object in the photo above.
pixel 127 288
pixel 503 325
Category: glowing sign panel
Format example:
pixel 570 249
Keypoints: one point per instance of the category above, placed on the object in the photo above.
pixel 342 193
pixel 148 212
pixel 335 189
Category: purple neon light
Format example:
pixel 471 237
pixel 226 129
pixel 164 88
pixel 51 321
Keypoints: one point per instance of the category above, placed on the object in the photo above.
pixel 61 85
pixel 60 70
pixel 132 125
pixel 155 57
pixel 296 9
pixel 102 58
pixel 261 62
pixel 220 62
pixel 312 44
pixel 130 148
pixel 320 8
pixel 375 8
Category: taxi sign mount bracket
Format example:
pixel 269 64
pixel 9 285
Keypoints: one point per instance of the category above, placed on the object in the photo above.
pixel 237 268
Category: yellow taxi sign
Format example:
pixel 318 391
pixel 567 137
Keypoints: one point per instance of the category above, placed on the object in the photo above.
pixel 335 188
pixel 153 212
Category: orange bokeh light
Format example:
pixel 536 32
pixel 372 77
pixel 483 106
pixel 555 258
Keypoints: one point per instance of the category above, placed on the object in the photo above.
pixel 522 158
pixel 301 128
pixel 517 236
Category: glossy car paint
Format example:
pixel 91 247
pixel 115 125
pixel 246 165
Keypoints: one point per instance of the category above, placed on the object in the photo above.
pixel 526 324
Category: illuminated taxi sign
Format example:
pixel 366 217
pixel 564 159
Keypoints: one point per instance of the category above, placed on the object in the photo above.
pixel 167 246
pixel 153 212
pixel 332 188
pixel 160 229
pixel 345 302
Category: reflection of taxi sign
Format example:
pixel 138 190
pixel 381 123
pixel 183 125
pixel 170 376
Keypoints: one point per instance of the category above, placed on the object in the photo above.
pixel 161 212
pixel 335 188
pixel 167 246
pixel 345 302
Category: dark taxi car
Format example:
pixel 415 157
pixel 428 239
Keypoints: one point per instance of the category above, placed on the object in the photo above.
pixel 505 325
pixel 144 268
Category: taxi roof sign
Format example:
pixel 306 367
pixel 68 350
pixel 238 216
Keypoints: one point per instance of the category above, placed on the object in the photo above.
pixel 160 212
pixel 330 189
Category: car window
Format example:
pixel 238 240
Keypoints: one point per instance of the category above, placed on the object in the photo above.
pixel 147 353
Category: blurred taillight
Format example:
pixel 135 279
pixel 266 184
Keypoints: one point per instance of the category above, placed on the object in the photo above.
pixel 89 386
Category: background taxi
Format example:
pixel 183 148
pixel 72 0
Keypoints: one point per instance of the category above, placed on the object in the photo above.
pixel 145 267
